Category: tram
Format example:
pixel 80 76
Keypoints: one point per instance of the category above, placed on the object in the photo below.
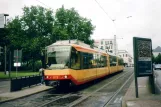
pixel 75 65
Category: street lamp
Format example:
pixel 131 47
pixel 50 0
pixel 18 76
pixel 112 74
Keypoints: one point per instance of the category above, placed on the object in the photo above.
pixel 5 48
pixel 5 15
pixel 115 49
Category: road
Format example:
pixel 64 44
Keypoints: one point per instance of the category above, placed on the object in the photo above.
pixel 4 86
pixel 158 80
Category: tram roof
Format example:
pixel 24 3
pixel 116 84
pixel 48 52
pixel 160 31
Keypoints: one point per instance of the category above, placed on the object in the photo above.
pixel 81 48
pixel 86 49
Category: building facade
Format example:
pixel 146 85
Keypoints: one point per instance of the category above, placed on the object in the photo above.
pixel 106 44
pixel 128 60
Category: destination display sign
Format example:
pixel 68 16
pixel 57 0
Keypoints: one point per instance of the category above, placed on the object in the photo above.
pixel 143 56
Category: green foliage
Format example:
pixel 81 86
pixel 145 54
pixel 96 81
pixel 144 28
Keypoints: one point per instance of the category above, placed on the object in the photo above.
pixel 19 74
pixel 38 28
pixel 32 31
pixel 158 59
pixel 70 25
pixel 153 58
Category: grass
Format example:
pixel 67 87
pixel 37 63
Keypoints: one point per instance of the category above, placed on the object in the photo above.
pixel 19 74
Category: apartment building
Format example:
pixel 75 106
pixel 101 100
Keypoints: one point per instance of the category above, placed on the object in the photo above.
pixel 128 60
pixel 106 44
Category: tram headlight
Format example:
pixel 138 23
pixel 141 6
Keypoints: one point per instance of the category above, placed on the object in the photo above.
pixel 65 76
pixel 47 77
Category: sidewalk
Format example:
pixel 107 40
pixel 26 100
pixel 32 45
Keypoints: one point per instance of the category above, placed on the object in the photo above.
pixel 146 99
pixel 24 92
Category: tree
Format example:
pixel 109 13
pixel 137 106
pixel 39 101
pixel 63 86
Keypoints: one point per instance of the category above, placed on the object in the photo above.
pixel 158 59
pixel 32 32
pixel 70 25
pixel 153 59
pixel 37 28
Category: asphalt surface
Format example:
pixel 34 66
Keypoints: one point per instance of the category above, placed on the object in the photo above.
pixel 158 80
pixel 4 86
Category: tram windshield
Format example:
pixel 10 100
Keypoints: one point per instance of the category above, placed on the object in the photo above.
pixel 58 57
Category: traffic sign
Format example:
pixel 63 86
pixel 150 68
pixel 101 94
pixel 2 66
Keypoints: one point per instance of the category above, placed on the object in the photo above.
pixel 17 64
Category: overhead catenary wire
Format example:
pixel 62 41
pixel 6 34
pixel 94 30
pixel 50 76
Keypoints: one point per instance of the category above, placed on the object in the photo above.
pixel 44 4
pixel 104 10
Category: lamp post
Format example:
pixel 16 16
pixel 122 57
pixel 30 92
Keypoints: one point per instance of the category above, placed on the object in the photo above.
pixel 115 43
pixel 5 48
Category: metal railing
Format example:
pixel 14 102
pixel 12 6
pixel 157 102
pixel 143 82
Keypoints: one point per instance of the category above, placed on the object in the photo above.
pixel 22 82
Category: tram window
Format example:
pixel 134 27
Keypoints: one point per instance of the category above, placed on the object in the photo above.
pixel 98 60
pixel 120 61
pixel 85 61
pixel 95 60
pixel 92 63
pixel 75 59
pixel 113 61
pixel 103 61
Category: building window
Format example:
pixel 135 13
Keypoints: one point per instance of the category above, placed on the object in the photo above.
pixel 101 47
pixel 110 42
pixel 101 42
pixel 106 42
pixel 126 55
pixel 111 46
pixel 123 55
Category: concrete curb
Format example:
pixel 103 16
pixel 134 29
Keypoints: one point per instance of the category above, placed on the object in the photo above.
pixel 145 96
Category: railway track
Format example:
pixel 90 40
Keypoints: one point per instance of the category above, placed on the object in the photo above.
pixel 72 100
pixel 98 97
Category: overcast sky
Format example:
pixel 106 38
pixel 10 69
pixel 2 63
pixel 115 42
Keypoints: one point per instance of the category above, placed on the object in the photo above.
pixel 145 21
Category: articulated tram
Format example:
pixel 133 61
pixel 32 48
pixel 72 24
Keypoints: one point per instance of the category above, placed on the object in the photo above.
pixel 75 65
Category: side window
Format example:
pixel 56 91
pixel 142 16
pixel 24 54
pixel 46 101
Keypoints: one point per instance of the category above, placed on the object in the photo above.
pixel 98 60
pixel 113 60
pixel 103 61
pixel 85 61
pixel 95 61
pixel 75 59
pixel 120 61
pixel 92 63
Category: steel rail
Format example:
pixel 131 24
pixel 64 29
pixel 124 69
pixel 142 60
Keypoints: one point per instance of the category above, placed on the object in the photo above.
pixel 85 97
pixel 112 97
pixel 66 95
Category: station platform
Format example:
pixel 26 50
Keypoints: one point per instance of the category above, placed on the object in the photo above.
pixel 145 99
pixel 8 96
